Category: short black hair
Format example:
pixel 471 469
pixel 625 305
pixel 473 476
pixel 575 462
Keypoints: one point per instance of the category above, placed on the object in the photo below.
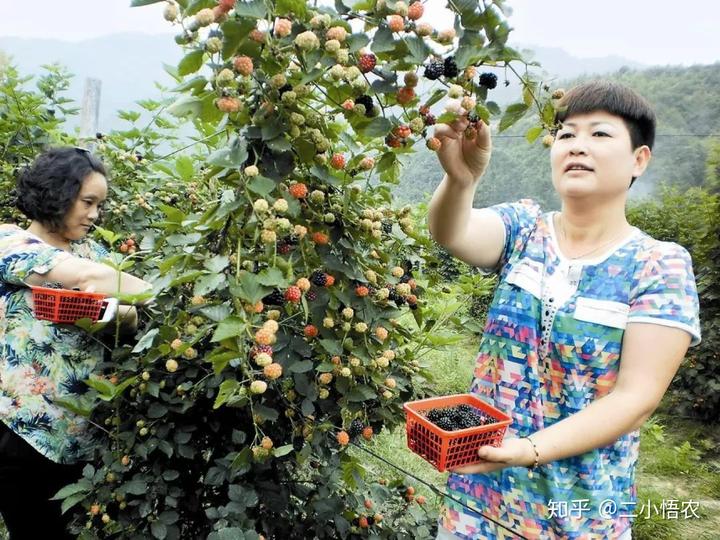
pixel 46 190
pixel 616 99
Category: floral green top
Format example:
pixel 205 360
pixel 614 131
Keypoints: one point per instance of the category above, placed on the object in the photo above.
pixel 41 361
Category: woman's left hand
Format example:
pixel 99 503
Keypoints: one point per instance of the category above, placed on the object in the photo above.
pixel 512 453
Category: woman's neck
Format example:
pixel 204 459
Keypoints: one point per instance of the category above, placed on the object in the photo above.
pixel 52 238
pixel 586 226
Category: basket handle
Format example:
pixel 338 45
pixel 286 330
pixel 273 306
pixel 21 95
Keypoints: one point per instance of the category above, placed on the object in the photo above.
pixel 111 307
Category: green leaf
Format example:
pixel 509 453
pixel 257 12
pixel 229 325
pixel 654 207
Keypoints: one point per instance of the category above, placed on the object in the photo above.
pixel 71 501
pixel 186 105
pixel 218 263
pixel 419 50
pixel 355 42
pixel 533 133
pixel 107 235
pixel 233 155
pixel 361 392
pixel 216 313
pixel 191 63
pixel 225 392
pixel 283 450
pixel 297 7
pixel 332 346
pixel 493 107
pixel 208 283
pixel 134 487
pixel 437 95
pixel 158 529
pixel 261 185
pixel 512 114
pixel 230 327
pixel 139 3
pixel 195 84
pixel 250 288
pixel 104 388
pixel 72 489
pixel 301 367
pixel 272 277
pixel 146 341
pixel 378 127
pixel 255 9
pixel 383 40
pixel 157 410
pixel 185 167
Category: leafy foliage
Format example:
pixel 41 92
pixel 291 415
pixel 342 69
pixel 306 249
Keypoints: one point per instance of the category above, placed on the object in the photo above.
pixel 290 298
pixel 692 219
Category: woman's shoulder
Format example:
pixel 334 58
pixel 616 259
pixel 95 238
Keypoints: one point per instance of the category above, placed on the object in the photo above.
pixel 11 234
pixel 649 248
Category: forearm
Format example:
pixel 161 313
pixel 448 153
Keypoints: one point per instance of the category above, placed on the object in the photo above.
pixel 449 211
pixel 102 278
pixel 599 424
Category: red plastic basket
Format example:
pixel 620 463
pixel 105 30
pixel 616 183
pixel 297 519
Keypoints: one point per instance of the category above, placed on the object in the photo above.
pixel 66 306
pixel 450 449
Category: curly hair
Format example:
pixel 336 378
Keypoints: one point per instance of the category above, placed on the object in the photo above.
pixel 47 189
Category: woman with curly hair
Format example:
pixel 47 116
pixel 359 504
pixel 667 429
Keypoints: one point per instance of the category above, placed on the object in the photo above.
pixel 42 444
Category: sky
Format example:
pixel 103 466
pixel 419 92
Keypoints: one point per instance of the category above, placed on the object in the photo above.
pixel 652 32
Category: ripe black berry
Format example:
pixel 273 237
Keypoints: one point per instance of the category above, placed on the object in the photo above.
pixel 387 226
pixel 275 298
pixel 450 68
pixel 318 278
pixel 367 102
pixel 356 428
pixel 311 295
pixel 488 80
pixel 434 70
pixel 459 417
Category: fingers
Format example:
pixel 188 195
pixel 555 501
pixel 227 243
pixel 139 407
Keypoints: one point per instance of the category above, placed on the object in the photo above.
pixel 479 468
pixel 453 130
pixel 483 138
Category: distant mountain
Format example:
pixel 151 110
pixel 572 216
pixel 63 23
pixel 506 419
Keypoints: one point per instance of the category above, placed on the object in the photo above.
pixel 129 65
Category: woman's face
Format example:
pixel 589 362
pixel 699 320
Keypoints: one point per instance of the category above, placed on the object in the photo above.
pixel 592 155
pixel 86 208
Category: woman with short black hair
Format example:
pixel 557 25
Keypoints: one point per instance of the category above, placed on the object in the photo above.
pixel 42 444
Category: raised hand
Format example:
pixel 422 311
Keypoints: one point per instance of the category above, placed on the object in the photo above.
pixel 463 158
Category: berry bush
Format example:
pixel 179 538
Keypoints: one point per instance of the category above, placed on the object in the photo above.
pixel 290 299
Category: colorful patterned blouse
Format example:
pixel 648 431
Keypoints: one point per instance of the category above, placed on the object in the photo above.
pixel 41 361
pixel 551 346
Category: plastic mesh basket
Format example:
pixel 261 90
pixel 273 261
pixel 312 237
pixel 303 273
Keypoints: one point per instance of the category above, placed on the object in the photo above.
pixel 450 449
pixel 66 306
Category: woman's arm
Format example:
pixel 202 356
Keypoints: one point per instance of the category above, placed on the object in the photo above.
pixel 651 355
pixel 85 274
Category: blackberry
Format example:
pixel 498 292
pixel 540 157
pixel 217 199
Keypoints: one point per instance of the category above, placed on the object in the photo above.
pixel 450 68
pixel 387 226
pixel 459 417
pixel 52 285
pixel 311 295
pixel 275 298
pixel 405 278
pixel 488 80
pixel 318 278
pixel 434 70
pixel 355 428
pixel 367 102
